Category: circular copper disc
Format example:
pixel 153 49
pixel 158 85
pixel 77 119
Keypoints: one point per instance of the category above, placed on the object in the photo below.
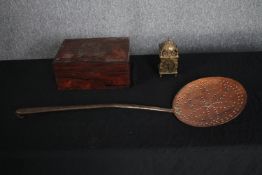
pixel 209 101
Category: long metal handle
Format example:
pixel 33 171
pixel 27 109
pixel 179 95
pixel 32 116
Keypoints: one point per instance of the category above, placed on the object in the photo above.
pixel 22 112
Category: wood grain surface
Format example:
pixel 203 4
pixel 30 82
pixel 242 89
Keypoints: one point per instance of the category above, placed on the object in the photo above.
pixel 94 63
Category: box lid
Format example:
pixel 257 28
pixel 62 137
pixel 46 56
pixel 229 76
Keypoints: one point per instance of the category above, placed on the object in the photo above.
pixel 113 49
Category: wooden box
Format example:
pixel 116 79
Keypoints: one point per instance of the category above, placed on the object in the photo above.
pixel 94 63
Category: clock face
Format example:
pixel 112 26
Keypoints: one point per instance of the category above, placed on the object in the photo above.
pixel 209 101
pixel 172 53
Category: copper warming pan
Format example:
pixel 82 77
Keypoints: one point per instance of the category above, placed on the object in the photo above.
pixel 205 102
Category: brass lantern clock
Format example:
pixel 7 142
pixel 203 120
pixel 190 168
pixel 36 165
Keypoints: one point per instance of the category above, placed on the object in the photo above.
pixel 168 53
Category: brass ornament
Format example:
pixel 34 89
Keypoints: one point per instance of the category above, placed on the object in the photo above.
pixel 168 54
pixel 205 102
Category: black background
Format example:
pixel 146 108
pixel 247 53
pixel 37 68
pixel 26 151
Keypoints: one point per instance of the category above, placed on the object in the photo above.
pixel 124 141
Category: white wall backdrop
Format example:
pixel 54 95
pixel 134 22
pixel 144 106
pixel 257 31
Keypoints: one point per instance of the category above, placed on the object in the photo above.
pixel 34 29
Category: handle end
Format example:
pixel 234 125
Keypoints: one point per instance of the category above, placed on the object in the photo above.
pixel 19 114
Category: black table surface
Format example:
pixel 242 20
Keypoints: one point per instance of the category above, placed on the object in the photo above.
pixel 126 141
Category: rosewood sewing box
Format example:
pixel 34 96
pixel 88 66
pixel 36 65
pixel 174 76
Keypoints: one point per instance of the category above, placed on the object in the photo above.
pixel 93 63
